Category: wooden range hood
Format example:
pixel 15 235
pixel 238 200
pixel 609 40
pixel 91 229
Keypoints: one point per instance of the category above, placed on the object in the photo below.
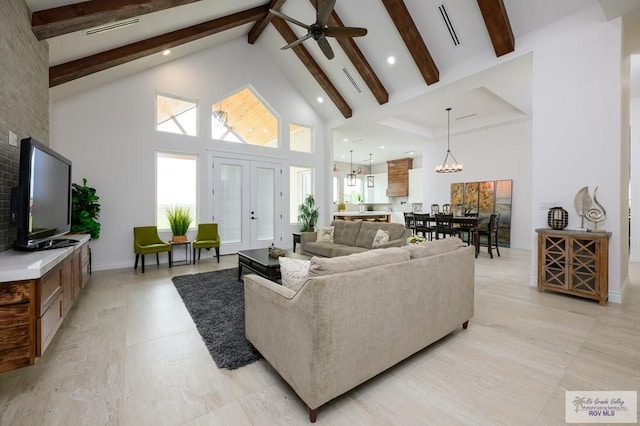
pixel 398 177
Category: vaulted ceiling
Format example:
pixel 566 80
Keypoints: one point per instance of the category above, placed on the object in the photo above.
pixel 366 95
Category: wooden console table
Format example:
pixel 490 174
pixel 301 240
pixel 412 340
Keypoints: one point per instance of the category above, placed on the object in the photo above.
pixel 574 262
pixel 37 290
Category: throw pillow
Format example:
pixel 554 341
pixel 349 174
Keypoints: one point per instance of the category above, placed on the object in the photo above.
pixel 325 234
pixel 294 272
pixel 382 237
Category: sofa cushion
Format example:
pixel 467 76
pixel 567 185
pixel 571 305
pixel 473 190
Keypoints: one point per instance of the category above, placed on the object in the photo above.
pixel 294 272
pixel 431 248
pixel 368 231
pixel 342 250
pixel 381 237
pixel 367 259
pixel 319 249
pixel 346 232
pixel 325 234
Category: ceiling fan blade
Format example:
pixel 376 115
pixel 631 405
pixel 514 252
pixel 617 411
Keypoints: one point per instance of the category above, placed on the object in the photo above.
pixel 326 48
pixel 345 32
pixel 288 18
pixel 325 12
pixel 297 42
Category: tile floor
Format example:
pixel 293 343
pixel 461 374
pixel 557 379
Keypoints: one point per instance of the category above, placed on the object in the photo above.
pixel 129 354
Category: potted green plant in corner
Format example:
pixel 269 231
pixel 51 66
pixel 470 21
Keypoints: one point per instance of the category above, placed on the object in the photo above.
pixel 308 214
pixel 85 210
pixel 180 219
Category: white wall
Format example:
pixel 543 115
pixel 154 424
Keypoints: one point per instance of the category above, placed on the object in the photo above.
pixel 109 134
pixel 497 153
pixel 635 180
pixel 577 137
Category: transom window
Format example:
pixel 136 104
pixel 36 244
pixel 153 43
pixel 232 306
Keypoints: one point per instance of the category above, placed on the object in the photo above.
pixel 176 115
pixel 244 118
pixel 300 138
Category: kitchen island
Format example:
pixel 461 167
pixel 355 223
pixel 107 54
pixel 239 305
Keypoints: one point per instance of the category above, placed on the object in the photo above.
pixel 371 216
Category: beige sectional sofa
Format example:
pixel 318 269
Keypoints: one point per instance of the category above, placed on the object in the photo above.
pixel 356 316
pixel 353 237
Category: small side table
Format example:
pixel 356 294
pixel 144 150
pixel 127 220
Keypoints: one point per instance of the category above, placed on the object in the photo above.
pixel 187 253
pixel 296 240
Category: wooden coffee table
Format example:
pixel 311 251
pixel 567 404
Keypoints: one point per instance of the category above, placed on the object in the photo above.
pixel 259 261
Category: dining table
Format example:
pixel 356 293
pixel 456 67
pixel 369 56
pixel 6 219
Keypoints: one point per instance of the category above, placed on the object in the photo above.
pixel 468 223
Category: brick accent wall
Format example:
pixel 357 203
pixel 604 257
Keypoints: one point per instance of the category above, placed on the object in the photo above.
pixel 24 99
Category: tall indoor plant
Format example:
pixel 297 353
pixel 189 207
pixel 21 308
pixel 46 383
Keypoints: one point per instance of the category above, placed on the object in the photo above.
pixel 180 219
pixel 308 214
pixel 85 209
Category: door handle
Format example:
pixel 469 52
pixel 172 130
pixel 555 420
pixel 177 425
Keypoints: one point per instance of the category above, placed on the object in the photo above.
pixel 253 218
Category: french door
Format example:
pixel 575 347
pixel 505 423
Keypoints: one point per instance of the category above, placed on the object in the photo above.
pixel 246 202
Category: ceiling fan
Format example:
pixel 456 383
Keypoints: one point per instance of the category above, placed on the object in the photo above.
pixel 319 30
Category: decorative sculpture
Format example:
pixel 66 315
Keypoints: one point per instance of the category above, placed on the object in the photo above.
pixel 582 203
pixel 596 215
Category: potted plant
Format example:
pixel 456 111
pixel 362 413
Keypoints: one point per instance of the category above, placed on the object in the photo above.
pixel 308 214
pixel 180 219
pixel 85 209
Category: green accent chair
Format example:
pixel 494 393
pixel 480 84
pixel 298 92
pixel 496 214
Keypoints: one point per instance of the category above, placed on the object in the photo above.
pixel 206 238
pixel 147 241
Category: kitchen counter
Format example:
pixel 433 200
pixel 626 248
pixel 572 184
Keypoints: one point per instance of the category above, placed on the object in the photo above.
pixel 373 216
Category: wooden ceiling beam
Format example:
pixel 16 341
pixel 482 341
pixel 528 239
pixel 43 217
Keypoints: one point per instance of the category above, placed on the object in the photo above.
pixel 61 20
pixel 498 26
pixel 261 24
pixel 72 70
pixel 401 18
pixel 307 59
pixel 358 60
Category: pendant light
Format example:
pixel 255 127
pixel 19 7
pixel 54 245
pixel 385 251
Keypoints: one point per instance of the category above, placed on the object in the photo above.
pixel 454 166
pixel 370 178
pixel 220 116
pixel 351 177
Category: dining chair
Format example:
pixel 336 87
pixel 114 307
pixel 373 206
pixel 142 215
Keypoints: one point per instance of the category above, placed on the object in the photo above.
pixel 423 225
pixel 147 241
pixel 206 238
pixel 490 232
pixel 444 226
pixel 409 222
pixel 466 231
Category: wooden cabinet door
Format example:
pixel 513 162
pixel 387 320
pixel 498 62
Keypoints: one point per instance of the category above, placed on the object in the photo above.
pixel 554 252
pixel 66 278
pixel 588 269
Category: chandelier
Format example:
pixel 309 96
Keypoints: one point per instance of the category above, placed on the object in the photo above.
pixel 351 177
pixel 370 178
pixel 454 166
pixel 220 116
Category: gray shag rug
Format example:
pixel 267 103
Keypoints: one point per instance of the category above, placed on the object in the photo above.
pixel 215 301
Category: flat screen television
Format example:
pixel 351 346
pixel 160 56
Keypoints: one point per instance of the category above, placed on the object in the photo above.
pixel 41 203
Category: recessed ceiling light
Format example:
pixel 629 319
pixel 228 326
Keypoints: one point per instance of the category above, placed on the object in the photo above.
pixel 381 146
pixel 320 100
pixel 391 60
pixel 166 52
pixel 345 140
